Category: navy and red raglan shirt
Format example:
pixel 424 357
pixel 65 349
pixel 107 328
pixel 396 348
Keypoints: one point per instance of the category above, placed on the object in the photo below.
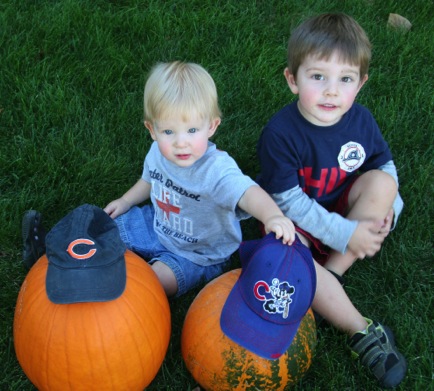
pixel 306 167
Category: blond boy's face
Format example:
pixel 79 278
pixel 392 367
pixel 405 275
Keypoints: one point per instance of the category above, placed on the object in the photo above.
pixel 183 141
pixel 326 89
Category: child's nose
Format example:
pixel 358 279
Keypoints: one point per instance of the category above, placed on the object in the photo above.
pixel 331 88
pixel 181 140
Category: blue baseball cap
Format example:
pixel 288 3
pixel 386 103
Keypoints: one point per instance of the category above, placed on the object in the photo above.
pixel 275 289
pixel 86 258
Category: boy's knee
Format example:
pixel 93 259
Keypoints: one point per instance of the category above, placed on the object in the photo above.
pixel 386 183
pixel 374 187
pixel 378 181
pixel 166 277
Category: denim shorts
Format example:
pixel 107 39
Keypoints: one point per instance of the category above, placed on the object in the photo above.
pixel 136 228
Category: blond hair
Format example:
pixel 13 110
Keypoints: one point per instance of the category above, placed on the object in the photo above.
pixel 323 35
pixel 179 88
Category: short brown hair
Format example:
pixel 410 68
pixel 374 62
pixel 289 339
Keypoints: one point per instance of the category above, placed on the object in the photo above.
pixel 325 34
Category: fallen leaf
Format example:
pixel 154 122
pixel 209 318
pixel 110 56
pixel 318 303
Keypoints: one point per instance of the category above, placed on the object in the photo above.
pixel 398 22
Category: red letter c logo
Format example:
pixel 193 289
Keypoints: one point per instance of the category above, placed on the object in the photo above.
pixel 73 254
pixel 260 284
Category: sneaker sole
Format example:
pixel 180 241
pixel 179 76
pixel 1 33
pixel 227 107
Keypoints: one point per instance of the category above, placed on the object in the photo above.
pixel 31 221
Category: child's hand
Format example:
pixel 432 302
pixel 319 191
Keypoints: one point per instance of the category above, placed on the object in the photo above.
pixel 117 207
pixel 387 224
pixel 367 238
pixel 282 227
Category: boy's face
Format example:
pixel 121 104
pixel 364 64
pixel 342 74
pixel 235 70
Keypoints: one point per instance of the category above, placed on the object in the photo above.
pixel 326 89
pixel 182 141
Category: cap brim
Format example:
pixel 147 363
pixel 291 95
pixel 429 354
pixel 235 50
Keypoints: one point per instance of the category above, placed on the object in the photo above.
pixel 266 339
pixel 86 284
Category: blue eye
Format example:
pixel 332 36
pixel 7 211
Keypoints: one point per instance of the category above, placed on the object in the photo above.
pixel 192 130
pixel 167 131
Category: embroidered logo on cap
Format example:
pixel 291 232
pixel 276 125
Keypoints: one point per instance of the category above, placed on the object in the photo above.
pixel 276 298
pixel 77 242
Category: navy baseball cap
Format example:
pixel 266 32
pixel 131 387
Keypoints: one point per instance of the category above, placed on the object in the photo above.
pixel 86 258
pixel 275 289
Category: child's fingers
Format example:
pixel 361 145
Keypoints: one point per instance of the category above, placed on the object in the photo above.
pixel 286 234
pixel 278 231
pixel 109 209
pixel 283 229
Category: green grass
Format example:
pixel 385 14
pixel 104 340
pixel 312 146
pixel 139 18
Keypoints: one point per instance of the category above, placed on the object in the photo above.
pixel 71 84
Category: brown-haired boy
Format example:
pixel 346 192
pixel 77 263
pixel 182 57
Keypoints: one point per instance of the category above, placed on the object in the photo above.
pixel 325 163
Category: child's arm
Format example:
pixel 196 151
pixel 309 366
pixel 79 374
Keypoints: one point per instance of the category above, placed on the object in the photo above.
pixel 260 205
pixel 330 228
pixel 364 238
pixel 137 194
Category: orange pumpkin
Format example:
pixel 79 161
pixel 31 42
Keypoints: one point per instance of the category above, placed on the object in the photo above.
pixel 113 345
pixel 217 363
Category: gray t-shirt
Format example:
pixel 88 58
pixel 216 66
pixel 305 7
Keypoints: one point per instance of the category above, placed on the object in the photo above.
pixel 196 213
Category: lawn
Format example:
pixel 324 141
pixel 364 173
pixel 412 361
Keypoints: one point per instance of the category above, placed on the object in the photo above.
pixel 71 132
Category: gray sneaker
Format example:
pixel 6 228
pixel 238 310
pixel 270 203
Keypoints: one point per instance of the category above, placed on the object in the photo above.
pixel 377 351
pixel 33 237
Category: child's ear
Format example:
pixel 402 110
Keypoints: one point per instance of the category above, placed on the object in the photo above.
pixel 149 126
pixel 363 80
pixel 214 124
pixel 290 79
